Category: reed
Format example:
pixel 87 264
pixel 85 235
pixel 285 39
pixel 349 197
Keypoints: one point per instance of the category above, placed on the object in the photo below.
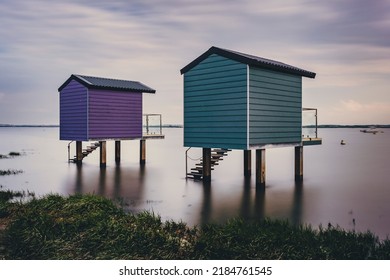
pixel 93 227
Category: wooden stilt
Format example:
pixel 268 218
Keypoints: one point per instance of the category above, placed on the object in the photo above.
pixel 206 164
pixel 103 153
pixel 117 152
pixel 79 152
pixel 260 167
pixel 142 151
pixel 247 163
pixel 299 163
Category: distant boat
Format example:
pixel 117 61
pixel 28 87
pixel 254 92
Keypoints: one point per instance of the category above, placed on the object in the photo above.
pixel 342 142
pixel 372 130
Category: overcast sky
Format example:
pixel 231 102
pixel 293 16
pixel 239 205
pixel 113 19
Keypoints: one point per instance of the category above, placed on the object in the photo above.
pixel 346 42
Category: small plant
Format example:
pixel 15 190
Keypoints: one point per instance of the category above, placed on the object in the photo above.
pixel 10 172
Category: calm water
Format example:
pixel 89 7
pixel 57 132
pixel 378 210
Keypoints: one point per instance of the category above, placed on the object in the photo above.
pixel 344 185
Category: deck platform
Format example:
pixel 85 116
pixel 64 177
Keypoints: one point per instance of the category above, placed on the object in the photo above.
pixel 311 141
pixel 153 136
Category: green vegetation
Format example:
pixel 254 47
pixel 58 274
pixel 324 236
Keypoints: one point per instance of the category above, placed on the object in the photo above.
pixel 92 227
pixel 10 172
pixel 10 154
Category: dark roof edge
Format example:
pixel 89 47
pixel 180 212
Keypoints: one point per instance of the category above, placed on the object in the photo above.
pixel 87 84
pixel 277 66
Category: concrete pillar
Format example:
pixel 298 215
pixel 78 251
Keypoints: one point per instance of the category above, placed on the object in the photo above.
pixel 117 152
pixel 103 153
pixel 79 151
pixel 260 167
pixel 206 164
pixel 299 163
pixel 142 151
pixel 247 163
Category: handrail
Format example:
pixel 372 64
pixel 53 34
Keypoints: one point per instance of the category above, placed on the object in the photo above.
pixel 187 161
pixel 316 118
pixel 157 123
pixel 69 150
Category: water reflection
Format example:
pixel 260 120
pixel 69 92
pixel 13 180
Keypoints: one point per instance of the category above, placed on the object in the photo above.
pixel 206 209
pixel 216 201
pixel 79 178
pixel 334 188
pixel 117 182
pixel 245 211
pixel 259 206
pixel 297 204
pixel 102 181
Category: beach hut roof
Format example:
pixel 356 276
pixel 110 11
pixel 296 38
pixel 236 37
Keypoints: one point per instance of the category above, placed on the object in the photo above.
pixel 250 60
pixel 108 84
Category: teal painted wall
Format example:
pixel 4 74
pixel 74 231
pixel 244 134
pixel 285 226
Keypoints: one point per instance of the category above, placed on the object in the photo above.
pixel 275 107
pixel 215 104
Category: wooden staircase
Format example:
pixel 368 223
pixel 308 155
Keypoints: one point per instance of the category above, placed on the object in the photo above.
pixel 216 156
pixel 92 147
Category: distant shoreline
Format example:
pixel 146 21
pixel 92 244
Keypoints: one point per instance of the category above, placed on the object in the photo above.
pixel 28 125
pixel 49 125
pixel 350 125
pixel 181 126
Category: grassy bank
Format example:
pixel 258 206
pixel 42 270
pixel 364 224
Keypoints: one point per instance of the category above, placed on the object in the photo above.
pixel 92 227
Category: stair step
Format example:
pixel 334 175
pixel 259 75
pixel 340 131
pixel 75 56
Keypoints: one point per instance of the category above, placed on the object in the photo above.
pixel 220 150
pixel 87 151
pixel 216 156
pixel 194 176
pixel 199 168
pixel 213 159
pixel 201 164
pixel 219 153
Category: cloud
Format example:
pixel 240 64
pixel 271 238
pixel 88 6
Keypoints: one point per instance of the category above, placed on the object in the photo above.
pixel 364 108
pixel 354 111
pixel 43 42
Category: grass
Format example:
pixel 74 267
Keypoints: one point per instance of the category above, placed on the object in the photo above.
pixel 10 154
pixel 10 172
pixel 92 227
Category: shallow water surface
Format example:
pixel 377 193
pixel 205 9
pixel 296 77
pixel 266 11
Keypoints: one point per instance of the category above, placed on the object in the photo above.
pixel 346 185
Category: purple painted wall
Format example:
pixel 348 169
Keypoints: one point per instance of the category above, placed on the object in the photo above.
pixel 73 112
pixel 114 115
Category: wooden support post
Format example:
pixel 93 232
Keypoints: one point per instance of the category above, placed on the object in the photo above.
pixel 79 151
pixel 206 164
pixel 103 153
pixel 260 167
pixel 247 163
pixel 299 163
pixel 117 152
pixel 142 151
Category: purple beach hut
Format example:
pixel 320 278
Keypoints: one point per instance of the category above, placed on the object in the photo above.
pixel 100 109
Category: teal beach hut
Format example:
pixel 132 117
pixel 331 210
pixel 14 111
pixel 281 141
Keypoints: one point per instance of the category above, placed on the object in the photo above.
pixel 239 101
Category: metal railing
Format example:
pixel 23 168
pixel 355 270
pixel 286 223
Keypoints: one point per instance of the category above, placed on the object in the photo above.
pixel 69 160
pixel 309 123
pixel 152 125
pixel 187 162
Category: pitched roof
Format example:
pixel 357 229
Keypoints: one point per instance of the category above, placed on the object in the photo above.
pixel 108 84
pixel 250 60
